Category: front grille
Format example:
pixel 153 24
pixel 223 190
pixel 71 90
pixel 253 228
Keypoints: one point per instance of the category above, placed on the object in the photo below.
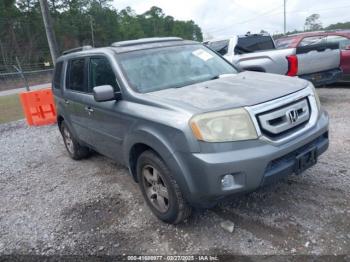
pixel 285 119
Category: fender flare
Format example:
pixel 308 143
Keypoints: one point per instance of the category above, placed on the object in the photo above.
pixel 163 148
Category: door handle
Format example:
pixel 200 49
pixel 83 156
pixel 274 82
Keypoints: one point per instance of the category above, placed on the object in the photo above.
pixel 66 101
pixel 89 109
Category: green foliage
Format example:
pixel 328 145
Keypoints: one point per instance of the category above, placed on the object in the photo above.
pixel 22 33
pixel 345 25
pixel 312 23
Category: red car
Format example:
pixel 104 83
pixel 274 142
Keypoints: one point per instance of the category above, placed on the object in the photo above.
pixel 338 36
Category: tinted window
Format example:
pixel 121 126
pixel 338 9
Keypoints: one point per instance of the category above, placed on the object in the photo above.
pixel 312 40
pixel 285 42
pixel 254 43
pixel 219 46
pixel 76 74
pixel 57 75
pixel 101 73
pixel 172 67
pixel 343 41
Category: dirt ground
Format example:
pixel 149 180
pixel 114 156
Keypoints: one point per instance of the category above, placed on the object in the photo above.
pixel 52 205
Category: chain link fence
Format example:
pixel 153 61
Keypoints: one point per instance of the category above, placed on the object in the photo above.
pixel 18 75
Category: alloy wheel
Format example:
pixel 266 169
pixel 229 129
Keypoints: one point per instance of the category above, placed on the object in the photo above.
pixel 155 187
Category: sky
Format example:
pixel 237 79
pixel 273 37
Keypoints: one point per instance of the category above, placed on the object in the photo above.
pixel 222 18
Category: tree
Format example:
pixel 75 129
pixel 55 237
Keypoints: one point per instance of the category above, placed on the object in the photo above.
pixel 345 25
pixel 22 31
pixel 312 23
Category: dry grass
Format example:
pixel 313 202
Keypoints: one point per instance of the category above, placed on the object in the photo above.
pixel 10 108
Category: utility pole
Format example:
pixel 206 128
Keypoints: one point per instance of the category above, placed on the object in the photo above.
pixel 51 39
pixel 285 22
pixel 92 32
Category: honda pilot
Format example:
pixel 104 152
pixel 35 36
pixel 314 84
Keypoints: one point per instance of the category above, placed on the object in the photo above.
pixel 190 127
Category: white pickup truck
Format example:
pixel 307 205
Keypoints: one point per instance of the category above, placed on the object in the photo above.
pixel 318 63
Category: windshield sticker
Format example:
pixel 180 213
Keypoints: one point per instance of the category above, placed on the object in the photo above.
pixel 202 54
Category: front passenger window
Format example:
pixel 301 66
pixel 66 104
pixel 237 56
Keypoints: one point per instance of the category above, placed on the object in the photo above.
pixel 101 73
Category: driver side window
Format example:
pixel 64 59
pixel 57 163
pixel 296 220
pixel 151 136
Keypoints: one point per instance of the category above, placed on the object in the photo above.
pixel 101 73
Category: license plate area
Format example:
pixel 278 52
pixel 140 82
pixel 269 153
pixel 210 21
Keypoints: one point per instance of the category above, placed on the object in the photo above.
pixel 305 160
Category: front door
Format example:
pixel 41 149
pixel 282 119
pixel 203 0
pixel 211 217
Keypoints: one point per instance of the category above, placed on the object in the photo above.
pixel 107 123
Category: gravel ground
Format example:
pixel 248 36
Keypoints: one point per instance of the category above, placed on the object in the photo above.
pixel 50 204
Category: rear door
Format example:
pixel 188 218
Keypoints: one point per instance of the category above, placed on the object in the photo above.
pixel 75 94
pixel 344 45
pixel 316 55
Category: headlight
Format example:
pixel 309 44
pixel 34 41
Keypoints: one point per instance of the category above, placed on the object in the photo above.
pixel 318 102
pixel 223 126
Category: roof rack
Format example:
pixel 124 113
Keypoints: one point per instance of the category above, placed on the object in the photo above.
pixel 77 49
pixel 145 41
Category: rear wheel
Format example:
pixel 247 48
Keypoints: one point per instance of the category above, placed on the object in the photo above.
pixel 160 190
pixel 75 150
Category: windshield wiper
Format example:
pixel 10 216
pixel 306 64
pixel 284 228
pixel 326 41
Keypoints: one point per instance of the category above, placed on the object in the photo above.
pixel 220 76
pixel 215 77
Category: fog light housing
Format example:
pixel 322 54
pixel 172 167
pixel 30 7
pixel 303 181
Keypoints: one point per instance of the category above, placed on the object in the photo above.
pixel 227 182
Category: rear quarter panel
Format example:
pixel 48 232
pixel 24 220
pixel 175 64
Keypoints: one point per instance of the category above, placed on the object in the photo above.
pixel 345 61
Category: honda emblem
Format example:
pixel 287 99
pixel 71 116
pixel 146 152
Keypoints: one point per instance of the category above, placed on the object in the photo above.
pixel 293 115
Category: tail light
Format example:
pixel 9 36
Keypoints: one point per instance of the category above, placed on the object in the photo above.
pixel 292 65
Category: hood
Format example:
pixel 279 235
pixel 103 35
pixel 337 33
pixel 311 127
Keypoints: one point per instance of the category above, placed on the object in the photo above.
pixel 243 89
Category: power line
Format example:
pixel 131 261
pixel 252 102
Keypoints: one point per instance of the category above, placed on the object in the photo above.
pixel 268 13
pixel 248 20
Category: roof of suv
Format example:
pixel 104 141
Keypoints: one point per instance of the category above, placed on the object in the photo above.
pixel 131 45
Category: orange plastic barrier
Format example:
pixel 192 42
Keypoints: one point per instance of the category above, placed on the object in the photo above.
pixel 38 107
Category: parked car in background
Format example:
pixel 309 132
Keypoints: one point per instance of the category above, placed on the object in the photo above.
pixel 341 37
pixel 318 63
pixel 190 127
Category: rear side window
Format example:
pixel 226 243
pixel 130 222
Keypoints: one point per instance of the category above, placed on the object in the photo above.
pixel 254 43
pixel 285 43
pixel 313 40
pixel 57 75
pixel 101 73
pixel 219 46
pixel 75 76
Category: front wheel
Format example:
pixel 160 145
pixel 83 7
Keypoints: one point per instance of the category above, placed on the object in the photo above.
pixel 160 190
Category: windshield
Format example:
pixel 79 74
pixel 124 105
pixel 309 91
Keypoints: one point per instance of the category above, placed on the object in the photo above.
pixel 172 67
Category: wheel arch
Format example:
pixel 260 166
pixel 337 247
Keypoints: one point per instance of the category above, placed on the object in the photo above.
pixel 143 140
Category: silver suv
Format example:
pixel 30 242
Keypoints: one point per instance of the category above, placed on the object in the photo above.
pixel 190 127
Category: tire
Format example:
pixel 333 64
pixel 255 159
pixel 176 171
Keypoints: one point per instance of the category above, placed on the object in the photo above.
pixel 154 178
pixel 74 149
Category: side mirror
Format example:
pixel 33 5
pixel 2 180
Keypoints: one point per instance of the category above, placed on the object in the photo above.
pixel 104 93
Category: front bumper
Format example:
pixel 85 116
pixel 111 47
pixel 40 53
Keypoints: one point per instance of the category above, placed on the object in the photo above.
pixel 252 164
pixel 325 77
